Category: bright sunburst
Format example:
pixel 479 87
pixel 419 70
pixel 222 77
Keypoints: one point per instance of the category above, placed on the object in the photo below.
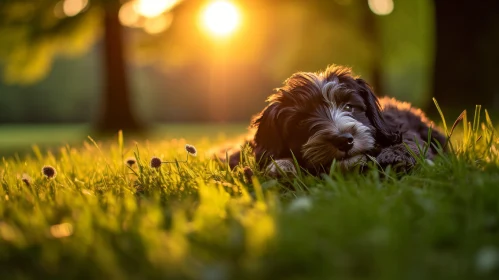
pixel 221 18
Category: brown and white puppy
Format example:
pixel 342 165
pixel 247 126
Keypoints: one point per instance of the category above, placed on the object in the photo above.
pixel 334 116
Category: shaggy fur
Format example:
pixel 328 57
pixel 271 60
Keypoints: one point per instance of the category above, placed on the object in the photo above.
pixel 334 116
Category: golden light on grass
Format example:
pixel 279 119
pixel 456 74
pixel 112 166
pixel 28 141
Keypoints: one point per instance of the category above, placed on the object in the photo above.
pixel 73 7
pixel 153 8
pixel 381 7
pixel 221 18
pixel 61 230
pixel 7 232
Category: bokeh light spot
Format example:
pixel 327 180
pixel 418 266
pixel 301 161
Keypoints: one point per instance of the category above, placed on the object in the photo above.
pixel 58 10
pixel 127 15
pixel 158 24
pixel 153 8
pixel 73 7
pixel 381 7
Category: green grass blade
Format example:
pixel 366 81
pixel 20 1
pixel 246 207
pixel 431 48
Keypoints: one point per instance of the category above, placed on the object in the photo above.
pixel 441 116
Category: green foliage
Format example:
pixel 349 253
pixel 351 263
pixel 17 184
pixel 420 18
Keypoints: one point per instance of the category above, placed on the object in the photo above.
pixel 32 36
pixel 99 218
pixel 407 51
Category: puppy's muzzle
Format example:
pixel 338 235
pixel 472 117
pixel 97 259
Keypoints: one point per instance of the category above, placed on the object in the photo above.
pixel 343 142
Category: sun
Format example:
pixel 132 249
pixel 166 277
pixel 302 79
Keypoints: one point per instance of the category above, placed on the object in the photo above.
pixel 221 18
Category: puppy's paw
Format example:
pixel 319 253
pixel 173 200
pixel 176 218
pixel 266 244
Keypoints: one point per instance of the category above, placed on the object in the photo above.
pixel 398 157
pixel 276 167
pixel 358 161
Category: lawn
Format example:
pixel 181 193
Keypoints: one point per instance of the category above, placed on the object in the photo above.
pixel 19 139
pixel 100 219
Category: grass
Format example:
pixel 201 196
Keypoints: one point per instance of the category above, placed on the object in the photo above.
pixel 99 219
pixel 19 139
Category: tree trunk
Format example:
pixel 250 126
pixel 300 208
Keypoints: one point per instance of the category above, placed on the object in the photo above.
pixel 467 56
pixel 372 32
pixel 116 112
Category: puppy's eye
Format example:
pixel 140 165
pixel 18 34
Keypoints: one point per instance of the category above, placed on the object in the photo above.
pixel 348 108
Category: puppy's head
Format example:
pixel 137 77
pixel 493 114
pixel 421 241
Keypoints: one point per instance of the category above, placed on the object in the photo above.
pixel 322 117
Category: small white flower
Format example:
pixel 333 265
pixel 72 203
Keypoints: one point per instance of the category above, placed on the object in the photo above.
pixel 300 204
pixel 487 259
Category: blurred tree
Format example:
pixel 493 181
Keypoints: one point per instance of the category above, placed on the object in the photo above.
pixel 117 111
pixel 467 57
pixel 34 32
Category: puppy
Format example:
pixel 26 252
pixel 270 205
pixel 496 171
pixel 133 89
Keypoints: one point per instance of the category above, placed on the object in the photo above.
pixel 328 116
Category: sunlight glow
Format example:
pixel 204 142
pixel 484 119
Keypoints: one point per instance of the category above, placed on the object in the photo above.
pixel 221 17
pixel 73 7
pixel 153 8
pixel 150 15
pixel 381 7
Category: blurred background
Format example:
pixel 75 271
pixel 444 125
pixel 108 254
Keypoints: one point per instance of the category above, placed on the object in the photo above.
pixel 130 64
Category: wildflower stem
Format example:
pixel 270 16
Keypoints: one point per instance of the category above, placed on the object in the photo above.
pixel 182 161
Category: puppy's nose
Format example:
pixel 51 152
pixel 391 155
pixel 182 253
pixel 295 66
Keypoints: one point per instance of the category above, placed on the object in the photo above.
pixel 344 142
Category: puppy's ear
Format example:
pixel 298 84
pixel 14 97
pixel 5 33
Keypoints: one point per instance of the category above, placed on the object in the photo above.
pixel 385 135
pixel 268 140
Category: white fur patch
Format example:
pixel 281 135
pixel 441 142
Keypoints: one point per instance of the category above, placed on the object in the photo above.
pixel 318 149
